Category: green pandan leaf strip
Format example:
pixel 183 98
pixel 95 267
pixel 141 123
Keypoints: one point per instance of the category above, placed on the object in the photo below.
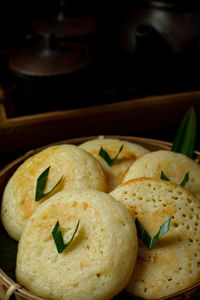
pixel 184 141
pixel 185 180
pixel 146 238
pixel 106 156
pixel 183 183
pixel 163 176
pixel 41 183
pixel 58 238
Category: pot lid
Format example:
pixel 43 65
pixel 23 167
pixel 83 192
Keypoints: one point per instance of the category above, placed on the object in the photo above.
pixel 50 58
pixel 62 25
pixel 180 4
pixel 66 26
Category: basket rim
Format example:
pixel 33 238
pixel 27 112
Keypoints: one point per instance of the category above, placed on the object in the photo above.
pixel 79 140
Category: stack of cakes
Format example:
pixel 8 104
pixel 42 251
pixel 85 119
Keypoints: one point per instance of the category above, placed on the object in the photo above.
pixel 91 195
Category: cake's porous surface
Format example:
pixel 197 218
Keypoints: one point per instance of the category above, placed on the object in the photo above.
pixel 99 261
pixel 174 263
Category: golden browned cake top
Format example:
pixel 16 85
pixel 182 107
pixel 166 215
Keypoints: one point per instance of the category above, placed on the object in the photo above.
pixel 174 165
pixel 127 156
pixel 77 168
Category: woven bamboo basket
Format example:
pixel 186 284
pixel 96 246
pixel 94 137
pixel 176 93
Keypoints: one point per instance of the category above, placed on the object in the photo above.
pixel 9 289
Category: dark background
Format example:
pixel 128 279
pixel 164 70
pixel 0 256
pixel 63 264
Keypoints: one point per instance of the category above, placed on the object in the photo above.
pixel 168 63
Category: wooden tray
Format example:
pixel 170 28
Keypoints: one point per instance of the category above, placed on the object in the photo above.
pixel 134 117
pixel 8 285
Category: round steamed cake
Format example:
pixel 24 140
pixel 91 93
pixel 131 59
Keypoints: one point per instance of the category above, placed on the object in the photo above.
pixel 174 165
pixel 78 168
pixel 174 263
pixel 127 156
pixel 99 261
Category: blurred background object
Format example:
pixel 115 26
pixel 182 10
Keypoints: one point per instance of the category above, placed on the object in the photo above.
pixel 161 40
pixel 64 55
pixel 49 73
pixel 124 50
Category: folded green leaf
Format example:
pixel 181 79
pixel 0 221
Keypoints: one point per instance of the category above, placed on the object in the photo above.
pixel 58 238
pixel 106 156
pixel 183 183
pixel 163 176
pixel 185 180
pixel 41 182
pixel 146 238
pixel 184 141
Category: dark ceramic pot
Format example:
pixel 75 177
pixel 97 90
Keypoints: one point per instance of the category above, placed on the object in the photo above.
pixel 50 75
pixel 160 42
